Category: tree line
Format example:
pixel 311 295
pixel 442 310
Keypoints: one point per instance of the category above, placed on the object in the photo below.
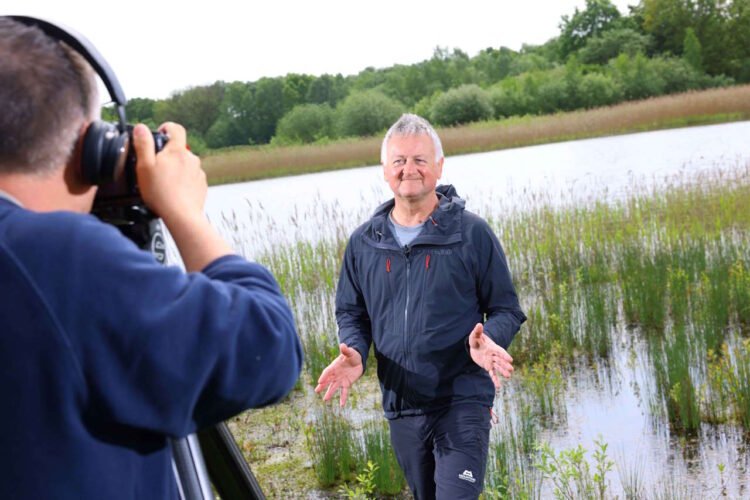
pixel 600 57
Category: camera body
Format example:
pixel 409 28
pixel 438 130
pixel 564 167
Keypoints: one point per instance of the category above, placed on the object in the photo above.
pixel 119 202
pixel 123 186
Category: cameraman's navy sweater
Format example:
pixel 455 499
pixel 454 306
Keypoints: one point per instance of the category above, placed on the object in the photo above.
pixel 104 354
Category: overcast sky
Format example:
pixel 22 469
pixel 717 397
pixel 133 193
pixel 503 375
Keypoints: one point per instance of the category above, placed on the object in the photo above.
pixel 156 47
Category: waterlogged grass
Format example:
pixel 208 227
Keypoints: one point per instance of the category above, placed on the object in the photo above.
pixel 667 266
pixel 343 455
pixel 388 479
pixel 333 447
pixel 681 110
pixel 571 473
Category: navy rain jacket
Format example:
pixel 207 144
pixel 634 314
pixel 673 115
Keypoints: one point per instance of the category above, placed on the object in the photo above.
pixel 419 303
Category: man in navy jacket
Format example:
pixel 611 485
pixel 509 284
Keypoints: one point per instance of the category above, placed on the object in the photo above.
pixel 427 283
pixel 104 353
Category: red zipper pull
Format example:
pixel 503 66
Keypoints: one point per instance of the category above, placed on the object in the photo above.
pixel 427 261
pixel 388 265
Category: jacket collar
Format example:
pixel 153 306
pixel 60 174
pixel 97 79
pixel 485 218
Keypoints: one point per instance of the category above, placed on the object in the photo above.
pixel 443 227
pixel 8 197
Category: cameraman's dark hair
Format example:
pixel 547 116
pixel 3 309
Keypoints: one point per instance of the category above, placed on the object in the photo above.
pixel 47 92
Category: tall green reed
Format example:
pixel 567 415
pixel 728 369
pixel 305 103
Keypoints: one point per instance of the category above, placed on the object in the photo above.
pixel 388 479
pixel 334 448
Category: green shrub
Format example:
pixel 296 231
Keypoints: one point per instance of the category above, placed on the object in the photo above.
pixel 600 49
pixel 464 104
pixel 304 124
pixel 366 113
pixel 553 95
pixel 678 74
pixel 598 90
pixel 637 76
pixel 508 100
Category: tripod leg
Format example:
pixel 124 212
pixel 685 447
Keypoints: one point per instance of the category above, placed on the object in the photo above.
pixel 229 472
pixel 190 469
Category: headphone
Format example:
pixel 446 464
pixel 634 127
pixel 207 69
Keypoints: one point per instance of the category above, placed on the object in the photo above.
pixel 105 145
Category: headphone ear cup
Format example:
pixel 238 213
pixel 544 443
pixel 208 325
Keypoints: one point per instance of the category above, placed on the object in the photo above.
pixel 105 149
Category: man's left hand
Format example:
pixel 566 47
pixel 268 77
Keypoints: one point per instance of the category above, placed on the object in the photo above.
pixel 490 356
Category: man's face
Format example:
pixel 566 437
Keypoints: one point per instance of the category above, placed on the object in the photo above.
pixel 410 167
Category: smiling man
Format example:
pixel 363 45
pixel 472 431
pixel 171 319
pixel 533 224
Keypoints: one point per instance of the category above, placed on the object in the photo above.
pixel 427 283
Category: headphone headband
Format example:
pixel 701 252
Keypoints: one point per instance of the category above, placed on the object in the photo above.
pixel 105 146
pixel 86 49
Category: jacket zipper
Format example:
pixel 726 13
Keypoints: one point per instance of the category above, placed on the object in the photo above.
pixel 407 252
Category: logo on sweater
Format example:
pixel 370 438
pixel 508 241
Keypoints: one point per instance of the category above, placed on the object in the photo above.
pixel 467 476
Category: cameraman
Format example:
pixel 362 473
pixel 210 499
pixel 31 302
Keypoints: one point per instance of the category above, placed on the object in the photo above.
pixel 104 353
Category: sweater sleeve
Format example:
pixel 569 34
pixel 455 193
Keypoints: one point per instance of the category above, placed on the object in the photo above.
pixel 497 296
pixel 166 351
pixel 351 312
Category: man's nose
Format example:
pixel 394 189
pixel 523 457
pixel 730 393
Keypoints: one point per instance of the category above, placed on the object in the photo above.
pixel 410 165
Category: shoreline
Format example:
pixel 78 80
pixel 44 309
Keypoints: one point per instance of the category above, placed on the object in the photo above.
pixel 723 105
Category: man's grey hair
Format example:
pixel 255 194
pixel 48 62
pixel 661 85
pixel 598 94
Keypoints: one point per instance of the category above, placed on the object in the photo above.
pixel 47 92
pixel 410 124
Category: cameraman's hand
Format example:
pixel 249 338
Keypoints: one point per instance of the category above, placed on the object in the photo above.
pixel 171 182
pixel 174 186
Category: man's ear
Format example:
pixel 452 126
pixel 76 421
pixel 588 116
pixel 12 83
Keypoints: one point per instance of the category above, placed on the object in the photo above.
pixel 440 167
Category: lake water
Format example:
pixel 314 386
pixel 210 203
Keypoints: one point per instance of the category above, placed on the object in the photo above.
pixel 567 171
pixel 256 215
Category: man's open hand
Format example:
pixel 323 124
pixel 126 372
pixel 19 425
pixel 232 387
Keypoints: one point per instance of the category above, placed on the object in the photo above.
pixel 490 356
pixel 341 374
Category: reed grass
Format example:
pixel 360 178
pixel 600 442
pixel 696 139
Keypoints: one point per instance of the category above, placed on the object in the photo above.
pixel 510 471
pixel 679 110
pixel 673 259
pixel 630 471
pixel 570 472
pixel 677 384
pixel 333 447
pixel 338 451
pixel 668 263
pixel 388 478
pixel 729 378
pixel 543 382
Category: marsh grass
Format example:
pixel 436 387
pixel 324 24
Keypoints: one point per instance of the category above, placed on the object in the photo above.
pixel 672 368
pixel 739 283
pixel 729 379
pixel 388 478
pixel 342 454
pixel 570 472
pixel 680 110
pixel 544 383
pixel 630 471
pixel 510 471
pixel 334 448
pixel 668 263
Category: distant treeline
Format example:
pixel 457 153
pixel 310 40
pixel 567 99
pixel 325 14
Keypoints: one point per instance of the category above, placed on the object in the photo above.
pixel 600 57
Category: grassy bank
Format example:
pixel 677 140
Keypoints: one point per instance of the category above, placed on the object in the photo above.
pixel 658 279
pixel 693 108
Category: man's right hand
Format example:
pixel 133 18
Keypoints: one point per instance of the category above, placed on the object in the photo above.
pixel 174 186
pixel 172 183
pixel 341 374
